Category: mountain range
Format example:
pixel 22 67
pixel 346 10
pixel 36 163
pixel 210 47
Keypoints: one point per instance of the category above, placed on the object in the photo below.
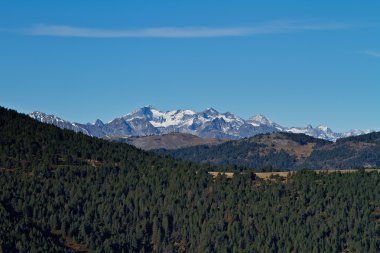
pixel 209 123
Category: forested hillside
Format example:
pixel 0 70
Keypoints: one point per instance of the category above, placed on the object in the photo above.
pixel 287 151
pixel 30 145
pixel 351 152
pixel 66 192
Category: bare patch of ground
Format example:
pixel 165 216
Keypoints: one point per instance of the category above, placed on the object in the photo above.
pixel 170 141
pixel 268 175
pixel 280 143
pixel 70 242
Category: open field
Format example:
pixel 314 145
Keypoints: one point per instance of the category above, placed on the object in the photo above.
pixel 266 175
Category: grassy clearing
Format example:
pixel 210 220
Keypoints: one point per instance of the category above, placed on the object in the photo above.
pixel 267 175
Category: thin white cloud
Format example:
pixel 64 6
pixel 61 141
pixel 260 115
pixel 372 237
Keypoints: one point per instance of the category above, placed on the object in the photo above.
pixel 373 53
pixel 180 32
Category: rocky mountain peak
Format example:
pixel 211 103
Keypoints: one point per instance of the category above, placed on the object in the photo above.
pixel 209 123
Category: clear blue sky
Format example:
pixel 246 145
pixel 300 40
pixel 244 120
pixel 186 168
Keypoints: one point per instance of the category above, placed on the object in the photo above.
pixel 296 62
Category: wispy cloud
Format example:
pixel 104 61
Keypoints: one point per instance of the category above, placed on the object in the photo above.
pixel 373 53
pixel 181 32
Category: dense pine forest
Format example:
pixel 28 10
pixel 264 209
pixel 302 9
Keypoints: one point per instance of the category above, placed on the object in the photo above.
pixel 67 192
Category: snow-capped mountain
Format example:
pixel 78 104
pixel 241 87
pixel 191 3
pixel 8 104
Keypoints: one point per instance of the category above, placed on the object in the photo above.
pixel 54 120
pixel 321 132
pixel 209 123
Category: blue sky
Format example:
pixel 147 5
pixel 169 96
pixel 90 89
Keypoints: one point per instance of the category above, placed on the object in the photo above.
pixel 297 62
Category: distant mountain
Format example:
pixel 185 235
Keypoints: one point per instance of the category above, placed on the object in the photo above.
pixel 54 120
pixel 168 141
pixel 209 123
pixel 288 151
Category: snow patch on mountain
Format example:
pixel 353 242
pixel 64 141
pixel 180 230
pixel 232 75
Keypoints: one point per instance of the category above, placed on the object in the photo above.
pixel 54 120
pixel 209 123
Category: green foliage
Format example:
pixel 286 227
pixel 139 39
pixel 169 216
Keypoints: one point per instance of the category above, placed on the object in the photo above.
pixel 166 210
pixel 132 201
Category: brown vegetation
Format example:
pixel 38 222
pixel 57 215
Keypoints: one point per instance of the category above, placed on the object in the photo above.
pixel 169 141
pixel 70 242
pixel 280 142
pixel 268 175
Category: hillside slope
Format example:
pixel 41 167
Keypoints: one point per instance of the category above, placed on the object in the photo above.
pixel 351 152
pixel 168 141
pixel 285 151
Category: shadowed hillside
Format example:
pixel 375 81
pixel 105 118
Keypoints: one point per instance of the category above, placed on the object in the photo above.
pixel 287 151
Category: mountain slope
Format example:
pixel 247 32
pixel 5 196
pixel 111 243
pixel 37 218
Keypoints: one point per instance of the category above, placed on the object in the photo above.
pixel 356 151
pixel 288 151
pixel 57 121
pixel 276 151
pixel 206 124
pixel 168 141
